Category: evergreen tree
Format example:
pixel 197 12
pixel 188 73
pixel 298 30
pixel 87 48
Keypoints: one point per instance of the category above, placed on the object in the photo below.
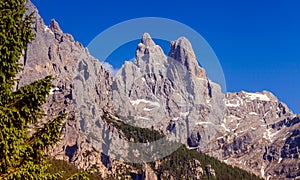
pixel 22 156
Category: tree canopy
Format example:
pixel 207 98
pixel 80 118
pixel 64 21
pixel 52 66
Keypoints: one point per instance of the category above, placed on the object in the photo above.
pixel 23 137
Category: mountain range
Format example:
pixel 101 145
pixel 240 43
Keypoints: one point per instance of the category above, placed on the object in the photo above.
pixel 166 95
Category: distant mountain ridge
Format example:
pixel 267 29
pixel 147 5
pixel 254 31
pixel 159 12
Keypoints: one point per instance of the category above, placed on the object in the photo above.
pixel 171 94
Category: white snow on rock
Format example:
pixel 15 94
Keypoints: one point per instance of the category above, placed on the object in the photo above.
pixel 229 103
pixel 208 101
pixel 175 118
pixel 138 101
pixel 184 113
pixel 261 97
pixel 226 129
pixel 191 148
pixel 46 29
pixel 203 123
pixel 262 171
pixel 236 126
pixel 253 113
pixel 279 160
pixel 144 118
pixel 52 90
pixel 269 135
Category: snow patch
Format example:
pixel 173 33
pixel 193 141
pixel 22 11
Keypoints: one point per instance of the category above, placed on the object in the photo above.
pixel 175 118
pixel 46 29
pixel 184 113
pixel 202 123
pixel 147 109
pixel 191 148
pixel 261 97
pixel 236 127
pixel 138 101
pixel 269 135
pixel 144 118
pixel 262 171
pixel 224 126
pixel 253 113
pixel 230 104
pixel 53 90
pixel 279 160
pixel 208 101
pixel 266 113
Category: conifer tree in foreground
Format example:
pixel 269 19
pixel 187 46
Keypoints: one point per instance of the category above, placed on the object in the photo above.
pixel 22 156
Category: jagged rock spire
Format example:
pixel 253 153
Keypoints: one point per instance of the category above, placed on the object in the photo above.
pixel 54 26
pixel 181 50
pixel 147 40
pixel 147 51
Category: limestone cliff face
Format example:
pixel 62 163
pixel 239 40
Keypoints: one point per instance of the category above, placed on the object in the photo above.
pixel 254 131
pixel 171 93
pixel 261 136
pixel 82 85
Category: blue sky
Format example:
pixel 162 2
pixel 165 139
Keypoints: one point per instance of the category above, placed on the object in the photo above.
pixel 257 42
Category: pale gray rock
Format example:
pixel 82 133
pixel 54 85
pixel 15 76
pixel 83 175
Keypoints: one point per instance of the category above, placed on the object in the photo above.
pixel 82 86
pixel 182 51
pixel 171 94
pixel 261 136
pixel 254 131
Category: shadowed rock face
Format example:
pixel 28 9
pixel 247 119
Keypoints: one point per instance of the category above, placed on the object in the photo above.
pixel 254 131
pixel 81 84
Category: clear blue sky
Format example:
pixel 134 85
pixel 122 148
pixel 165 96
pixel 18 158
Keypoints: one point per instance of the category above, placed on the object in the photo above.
pixel 257 42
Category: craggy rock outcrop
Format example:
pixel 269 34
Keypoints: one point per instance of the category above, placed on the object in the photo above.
pixel 82 85
pixel 171 93
pixel 254 131
pixel 262 136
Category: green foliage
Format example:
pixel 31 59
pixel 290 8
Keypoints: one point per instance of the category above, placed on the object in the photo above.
pixel 180 164
pixel 22 148
pixel 15 34
pixel 71 172
pixel 137 134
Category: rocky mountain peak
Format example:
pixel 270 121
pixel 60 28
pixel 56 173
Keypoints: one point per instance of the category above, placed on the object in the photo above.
pixel 150 53
pixel 253 131
pixel 54 26
pixel 147 40
pixel 181 50
pixel 183 45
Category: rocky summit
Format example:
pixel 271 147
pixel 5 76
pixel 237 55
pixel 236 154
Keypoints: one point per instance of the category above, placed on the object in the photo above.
pixel 170 94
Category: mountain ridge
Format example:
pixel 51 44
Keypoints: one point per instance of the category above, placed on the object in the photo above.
pixel 186 103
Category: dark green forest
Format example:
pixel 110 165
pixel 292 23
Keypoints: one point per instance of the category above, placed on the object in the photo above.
pixel 180 164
